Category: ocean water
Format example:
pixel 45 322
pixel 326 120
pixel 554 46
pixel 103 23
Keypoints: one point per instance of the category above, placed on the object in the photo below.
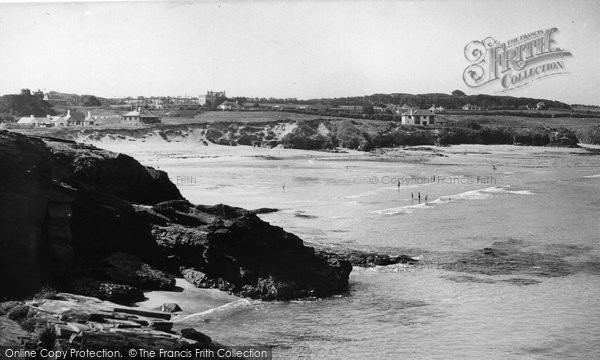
pixel 538 208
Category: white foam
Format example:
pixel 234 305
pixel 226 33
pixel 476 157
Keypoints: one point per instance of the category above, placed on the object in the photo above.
pixel 356 196
pixel 504 190
pixel 480 194
pixel 592 176
pixel 227 308
pixel 400 210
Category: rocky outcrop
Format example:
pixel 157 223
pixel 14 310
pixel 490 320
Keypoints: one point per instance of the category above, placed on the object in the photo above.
pixel 128 269
pixel 71 212
pixel 168 307
pixel 238 252
pixel 79 325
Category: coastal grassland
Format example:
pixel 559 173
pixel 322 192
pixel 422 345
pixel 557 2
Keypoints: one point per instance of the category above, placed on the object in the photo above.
pixel 208 117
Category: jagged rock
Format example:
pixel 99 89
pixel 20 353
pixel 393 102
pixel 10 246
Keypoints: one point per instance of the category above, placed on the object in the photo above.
pixel 117 293
pixel 240 250
pixel 84 323
pixel 195 277
pixel 168 308
pixel 128 269
pixel 365 258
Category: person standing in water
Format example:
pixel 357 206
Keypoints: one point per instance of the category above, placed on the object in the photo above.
pixel 419 196
pixel 426 198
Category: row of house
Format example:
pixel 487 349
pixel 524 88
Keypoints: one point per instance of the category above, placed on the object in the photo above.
pixel 158 103
pixel 71 118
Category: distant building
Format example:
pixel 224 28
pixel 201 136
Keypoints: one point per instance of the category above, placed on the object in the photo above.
pixel 540 106
pixel 211 97
pixel 318 107
pixel 470 107
pixel 157 104
pixel 35 121
pixel 436 110
pixel 351 109
pixel 229 106
pixel 402 109
pixel 72 118
pixel 418 117
pixel 140 116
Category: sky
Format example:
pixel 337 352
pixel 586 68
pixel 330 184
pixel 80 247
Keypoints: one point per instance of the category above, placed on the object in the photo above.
pixel 283 48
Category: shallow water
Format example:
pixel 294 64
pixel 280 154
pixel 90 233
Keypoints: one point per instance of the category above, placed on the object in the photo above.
pixel 536 297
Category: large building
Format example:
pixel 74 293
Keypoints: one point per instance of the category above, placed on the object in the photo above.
pixel 418 117
pixel 211 97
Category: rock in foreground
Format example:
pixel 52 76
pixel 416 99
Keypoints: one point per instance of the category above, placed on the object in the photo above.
pixel 73 324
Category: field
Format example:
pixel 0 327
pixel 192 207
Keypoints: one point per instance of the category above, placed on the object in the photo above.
pixel 523 122
pixel 242 116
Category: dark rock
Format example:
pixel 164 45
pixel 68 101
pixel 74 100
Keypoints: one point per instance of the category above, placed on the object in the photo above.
pixel 189 333
pixel 94 327
pixel 242 250
pixel 365 258
pixel 195 277
pixel 168 308
pixel 506 258
pixel 562 137
pixel 264 211
pixel 122 268
pixel 117 293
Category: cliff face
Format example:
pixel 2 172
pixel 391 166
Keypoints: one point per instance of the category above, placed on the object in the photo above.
pixel 67 209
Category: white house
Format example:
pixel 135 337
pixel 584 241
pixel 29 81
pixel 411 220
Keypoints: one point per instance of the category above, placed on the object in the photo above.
pixel 35 121
pixel 436 110
pixel 471 107
pixel 229 105
pixel 418 117
pixel 140 116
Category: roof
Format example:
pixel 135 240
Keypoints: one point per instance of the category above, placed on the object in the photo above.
pixel 33 120
pixel 419 112
pixel 28 120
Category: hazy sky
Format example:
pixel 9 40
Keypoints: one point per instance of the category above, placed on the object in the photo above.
pixel 283 48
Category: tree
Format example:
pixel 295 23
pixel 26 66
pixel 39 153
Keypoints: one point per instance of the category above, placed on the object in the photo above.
pixel 25 103
pixel 458 93
pixel 368 109
pixel 90 100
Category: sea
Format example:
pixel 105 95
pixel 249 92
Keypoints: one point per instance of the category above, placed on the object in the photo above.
pixel 507 238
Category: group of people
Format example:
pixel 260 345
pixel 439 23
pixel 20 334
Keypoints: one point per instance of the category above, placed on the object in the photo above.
pixel 412 197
